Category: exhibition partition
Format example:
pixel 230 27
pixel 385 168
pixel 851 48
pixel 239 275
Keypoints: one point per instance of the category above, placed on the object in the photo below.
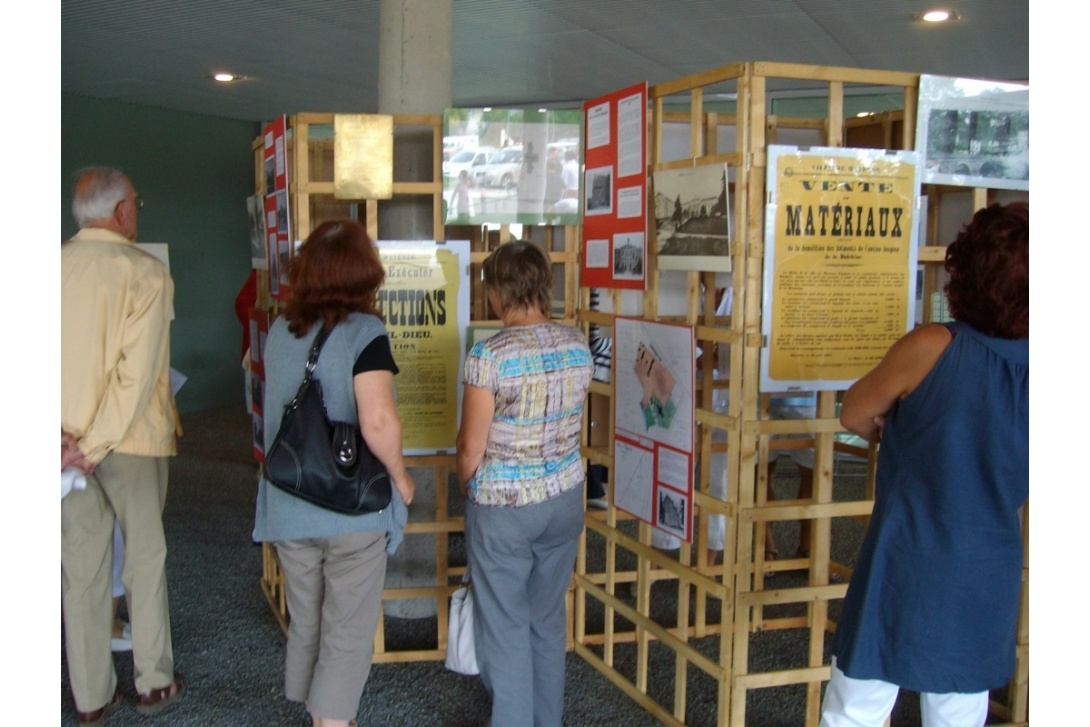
pixel 729 596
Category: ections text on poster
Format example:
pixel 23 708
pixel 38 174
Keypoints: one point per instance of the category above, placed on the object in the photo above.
pixel 425 303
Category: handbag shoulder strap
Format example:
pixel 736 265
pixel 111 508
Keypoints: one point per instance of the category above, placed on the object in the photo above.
pixel 312 363
pixel 316 348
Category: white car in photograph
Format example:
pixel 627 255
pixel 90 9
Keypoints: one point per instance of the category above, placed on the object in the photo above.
pixel 502 169
pixel 467 160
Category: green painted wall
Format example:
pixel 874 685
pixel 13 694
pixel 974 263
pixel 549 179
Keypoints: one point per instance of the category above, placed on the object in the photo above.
pixel 194 173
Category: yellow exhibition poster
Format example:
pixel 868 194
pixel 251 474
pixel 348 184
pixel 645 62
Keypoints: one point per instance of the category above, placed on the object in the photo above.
pixel 840 263
pixel 420 304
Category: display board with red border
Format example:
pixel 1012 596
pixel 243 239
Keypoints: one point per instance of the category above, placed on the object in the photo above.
pixel 277 214
pixel 654 365
pixel 615 190
pixel 259 333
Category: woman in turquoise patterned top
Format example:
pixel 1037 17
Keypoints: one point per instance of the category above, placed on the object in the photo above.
pixel 519 466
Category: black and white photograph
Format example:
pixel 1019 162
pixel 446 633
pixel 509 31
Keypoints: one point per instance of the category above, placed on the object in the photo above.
pixel 598 188
pixel 285 256
pixel 282 211
pixel 255 350
pixel 628 253
pixel 974 133
pixel 692 218
pixel 274 266
pixel 259 433
pixel 270 175
pixel 255 207
pixel 671 513
pixel 257 392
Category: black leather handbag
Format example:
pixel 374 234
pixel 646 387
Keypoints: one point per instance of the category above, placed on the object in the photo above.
pixel 325 463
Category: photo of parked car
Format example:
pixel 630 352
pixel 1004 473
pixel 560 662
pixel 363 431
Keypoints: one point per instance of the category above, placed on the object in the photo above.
pixel 467 160
pixel 454 144
pixel 501 170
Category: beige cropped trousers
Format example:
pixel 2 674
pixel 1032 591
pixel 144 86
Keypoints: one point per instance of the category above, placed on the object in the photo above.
pixel 334 592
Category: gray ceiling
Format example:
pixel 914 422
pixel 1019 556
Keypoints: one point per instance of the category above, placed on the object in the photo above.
pixel 321 55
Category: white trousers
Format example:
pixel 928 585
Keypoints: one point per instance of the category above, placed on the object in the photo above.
pixel 868 703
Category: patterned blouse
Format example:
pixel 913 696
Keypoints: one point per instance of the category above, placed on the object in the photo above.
pixel 540 375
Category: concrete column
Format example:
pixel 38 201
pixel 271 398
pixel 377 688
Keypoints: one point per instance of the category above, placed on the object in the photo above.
pixel 414 77
pixel 415 56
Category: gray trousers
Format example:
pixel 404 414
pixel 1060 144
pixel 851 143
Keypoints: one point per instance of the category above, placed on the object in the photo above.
pixel 132 489
pixel 520 562
pixel 334 592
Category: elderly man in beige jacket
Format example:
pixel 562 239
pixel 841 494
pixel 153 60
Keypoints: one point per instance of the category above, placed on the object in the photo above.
pixel 117 405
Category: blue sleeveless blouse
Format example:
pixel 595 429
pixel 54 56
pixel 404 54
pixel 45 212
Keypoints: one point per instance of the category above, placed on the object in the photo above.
pixel 933 601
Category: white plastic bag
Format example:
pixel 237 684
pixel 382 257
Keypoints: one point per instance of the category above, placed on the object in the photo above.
pixel 72 479
pixel 461 652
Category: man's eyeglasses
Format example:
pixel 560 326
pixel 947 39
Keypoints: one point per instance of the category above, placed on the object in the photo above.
pixel 137 202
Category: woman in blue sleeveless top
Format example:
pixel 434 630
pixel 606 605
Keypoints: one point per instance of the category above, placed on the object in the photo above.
pixel 933 602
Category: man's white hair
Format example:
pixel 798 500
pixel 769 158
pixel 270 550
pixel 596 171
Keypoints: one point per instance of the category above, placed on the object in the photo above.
pixel 98 197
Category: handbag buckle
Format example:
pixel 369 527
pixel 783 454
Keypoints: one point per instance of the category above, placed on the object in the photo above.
pixel 344 444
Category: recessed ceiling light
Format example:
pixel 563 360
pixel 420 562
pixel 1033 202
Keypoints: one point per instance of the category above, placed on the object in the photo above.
pixel 226 77
pixel 542 111
pixel 938 16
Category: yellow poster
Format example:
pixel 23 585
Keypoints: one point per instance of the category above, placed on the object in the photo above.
pixel 840 263
pixel 420 302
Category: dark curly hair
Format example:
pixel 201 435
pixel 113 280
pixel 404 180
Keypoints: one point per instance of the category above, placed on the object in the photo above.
pixel 337 271
pixel 521 273
pixel 988 265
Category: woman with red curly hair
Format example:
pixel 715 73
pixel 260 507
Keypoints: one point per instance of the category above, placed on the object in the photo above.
pixel 334 565
pixel 933 602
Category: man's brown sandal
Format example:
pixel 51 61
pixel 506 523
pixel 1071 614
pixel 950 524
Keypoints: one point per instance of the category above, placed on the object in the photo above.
pixel 97 718
pixel 159 699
